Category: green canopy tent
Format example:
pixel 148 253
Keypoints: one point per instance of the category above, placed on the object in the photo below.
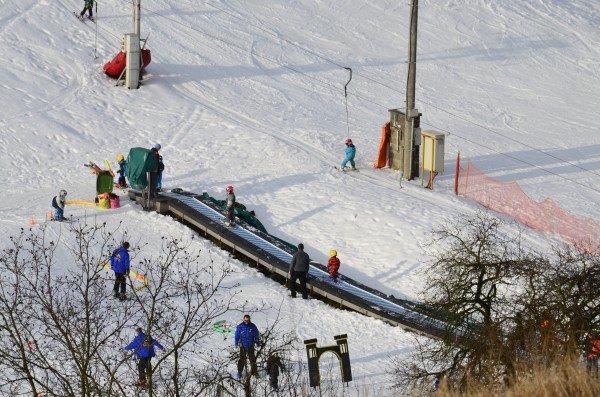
pixel 140 161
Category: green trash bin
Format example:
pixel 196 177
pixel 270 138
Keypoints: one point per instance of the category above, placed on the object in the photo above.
pixel 104 183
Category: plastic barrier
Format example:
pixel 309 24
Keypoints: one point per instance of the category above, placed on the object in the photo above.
pixel 384 147
pixel 545 216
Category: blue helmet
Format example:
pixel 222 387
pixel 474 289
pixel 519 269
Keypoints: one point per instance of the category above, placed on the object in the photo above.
pixel 157 146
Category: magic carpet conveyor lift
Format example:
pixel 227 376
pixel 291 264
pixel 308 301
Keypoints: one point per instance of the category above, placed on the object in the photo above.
pixel 270 253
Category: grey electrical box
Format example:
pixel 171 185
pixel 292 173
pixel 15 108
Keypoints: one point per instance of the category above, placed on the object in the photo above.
pixel 132 63
pixel 397 121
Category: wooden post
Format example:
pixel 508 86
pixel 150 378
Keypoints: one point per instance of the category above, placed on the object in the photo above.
pixel 456 174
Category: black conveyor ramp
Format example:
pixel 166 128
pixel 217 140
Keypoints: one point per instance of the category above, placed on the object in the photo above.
pixel 270 253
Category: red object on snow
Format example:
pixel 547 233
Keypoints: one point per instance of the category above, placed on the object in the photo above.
pixel 115 67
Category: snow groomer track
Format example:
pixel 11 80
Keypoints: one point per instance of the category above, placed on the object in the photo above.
pixel 273 255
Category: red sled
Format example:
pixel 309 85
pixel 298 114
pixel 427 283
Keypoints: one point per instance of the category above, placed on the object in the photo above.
pixel 115 67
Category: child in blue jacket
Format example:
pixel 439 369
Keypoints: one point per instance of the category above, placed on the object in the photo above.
pixel 350 153
pixel 143 346
pixel 122 182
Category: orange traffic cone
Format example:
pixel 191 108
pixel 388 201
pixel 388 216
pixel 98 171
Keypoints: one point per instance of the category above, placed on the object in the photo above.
pixel 32 221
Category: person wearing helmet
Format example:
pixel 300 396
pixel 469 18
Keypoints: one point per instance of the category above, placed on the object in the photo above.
pixel 230 201
pixel 333 265
pixel 122 182
pixel 119 263
pixel 58 203
pixel 350 153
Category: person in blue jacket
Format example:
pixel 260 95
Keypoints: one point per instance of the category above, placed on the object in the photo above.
pixel 122 182
pixel 143 346
pixel 246 337
pixel 350 153
pixel 119 263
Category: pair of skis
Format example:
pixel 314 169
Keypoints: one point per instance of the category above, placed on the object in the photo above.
pixel 82 19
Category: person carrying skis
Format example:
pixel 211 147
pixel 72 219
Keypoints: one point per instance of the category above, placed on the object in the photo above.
pixel 245 338
pixel 58 203
pixel 350 153
pixel 333 266
pixel 299 270
pixel 230 203
pixel 87 6
pixel 122 182
pixel 143 346
pixel 274 364
pixel 119 263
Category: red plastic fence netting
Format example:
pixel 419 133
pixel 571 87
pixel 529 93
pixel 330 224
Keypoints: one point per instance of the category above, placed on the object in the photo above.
pixel 546 216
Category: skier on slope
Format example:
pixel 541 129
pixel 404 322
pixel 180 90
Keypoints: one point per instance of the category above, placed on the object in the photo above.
pixel 143 346
pixel 245 338
pixel 350 153
pixel 230 201
pixel 87 6
pixel 58 203
pixel 119 263
pixel 122 182
pixel 333 266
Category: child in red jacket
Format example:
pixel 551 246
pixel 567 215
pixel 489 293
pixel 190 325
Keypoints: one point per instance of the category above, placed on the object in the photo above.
pixel 333 265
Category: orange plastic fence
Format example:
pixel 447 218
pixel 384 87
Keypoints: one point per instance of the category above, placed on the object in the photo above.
pixel 546 216
pixel 384 147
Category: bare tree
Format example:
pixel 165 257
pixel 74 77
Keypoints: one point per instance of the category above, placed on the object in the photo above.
pixel 184 296
pixel 57 316
pixel 474 273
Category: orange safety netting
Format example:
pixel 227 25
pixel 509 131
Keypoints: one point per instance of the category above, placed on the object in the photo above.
pixel 546 216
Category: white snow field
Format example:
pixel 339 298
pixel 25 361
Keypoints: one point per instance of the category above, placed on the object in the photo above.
pixel 250 93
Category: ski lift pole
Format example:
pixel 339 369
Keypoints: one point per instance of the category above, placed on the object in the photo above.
pixel 96 39
pixel 346 96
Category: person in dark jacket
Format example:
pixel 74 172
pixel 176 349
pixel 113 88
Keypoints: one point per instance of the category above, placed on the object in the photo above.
pixel 119 263
pixel 87 6
pixel 230 202
pixel 161 168
pixel 246 337
pixel 299 271
pixel 154 174
pixel 274 364
pixel 143 346
pixel 58 203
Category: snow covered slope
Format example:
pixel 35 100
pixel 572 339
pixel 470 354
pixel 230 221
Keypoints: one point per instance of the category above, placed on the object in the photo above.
pixel 251 94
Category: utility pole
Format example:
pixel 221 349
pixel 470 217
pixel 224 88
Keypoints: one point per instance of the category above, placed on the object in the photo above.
pixel 137 7
pixel 410 166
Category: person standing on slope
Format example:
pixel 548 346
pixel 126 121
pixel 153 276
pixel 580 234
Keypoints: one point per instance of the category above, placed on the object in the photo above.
pixel 154 174
pixel 143 346
pixel 230 203
pixel 122 182
pixel 333 266
pixel 119 263
pixel 350 153
pixel 87 6
pixel 58 203
pixel 299 271
pixel 246 337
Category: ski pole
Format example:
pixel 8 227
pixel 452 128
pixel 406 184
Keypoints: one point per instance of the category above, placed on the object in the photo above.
pixel 346 96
